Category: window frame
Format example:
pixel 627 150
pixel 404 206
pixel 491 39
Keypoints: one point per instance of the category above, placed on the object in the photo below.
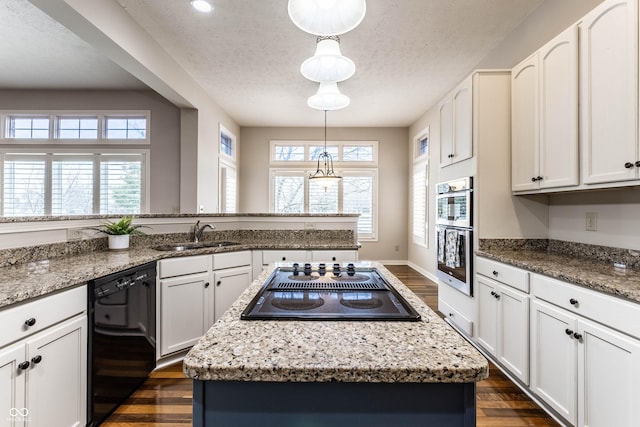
pixel 307 144
pixel 420 164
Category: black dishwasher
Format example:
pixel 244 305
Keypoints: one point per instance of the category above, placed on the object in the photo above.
pixel 122 338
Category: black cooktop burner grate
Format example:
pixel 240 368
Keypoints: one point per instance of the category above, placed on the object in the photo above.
pixel 328 286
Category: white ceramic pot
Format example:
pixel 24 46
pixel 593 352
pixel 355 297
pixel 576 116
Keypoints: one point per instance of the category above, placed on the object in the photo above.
pixel 118 241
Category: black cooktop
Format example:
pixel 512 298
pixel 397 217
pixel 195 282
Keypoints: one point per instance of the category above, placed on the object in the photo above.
pixel 338 293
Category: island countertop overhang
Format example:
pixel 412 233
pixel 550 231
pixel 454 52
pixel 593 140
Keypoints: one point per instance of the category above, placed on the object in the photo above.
pixel 427 351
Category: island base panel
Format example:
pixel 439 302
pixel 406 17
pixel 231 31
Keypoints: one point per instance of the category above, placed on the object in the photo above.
pixel 335 404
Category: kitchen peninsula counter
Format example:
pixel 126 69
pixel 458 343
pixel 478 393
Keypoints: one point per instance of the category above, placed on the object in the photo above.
pixel 425 358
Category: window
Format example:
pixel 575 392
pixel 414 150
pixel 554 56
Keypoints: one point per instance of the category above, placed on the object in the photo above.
pixel 228 177
pixel 291 190
pixel 42 174
pixel 420 189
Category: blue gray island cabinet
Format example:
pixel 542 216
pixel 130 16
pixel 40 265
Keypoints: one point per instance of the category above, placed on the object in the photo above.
pixel 334 373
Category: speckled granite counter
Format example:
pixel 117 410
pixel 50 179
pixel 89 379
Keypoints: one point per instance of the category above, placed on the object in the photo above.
pixel 428 351
pixel 28 280
pixel 594 274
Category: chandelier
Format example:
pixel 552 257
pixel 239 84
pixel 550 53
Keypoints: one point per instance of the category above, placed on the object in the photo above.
pixel 325 176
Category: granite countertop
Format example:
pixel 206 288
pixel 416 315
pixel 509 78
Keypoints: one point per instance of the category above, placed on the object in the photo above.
pixel 26 281
pixel 427 351
pixel 593 274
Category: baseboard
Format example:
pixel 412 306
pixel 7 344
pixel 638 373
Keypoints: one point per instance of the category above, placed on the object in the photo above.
pixel 393 262
pixel 424 272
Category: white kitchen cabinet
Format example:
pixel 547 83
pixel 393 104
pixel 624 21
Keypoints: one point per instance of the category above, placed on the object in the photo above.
pixel 334 255
pixel 581 366
pixel 185 307
pixel 43 375
pixel 230 283
pixel 609 93
pixel 284 255
pixel 545 116
pixel 503 325
pixel 456 124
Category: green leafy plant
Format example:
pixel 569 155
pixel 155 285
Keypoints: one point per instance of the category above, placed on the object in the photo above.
pixel 123 226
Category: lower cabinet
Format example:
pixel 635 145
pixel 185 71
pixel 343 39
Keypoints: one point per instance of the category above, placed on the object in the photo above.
pixel 587 372
pixel 43 377
pixel 503 325
pixel 230 283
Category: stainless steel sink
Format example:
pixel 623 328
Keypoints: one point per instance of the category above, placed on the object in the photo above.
pixel 178 247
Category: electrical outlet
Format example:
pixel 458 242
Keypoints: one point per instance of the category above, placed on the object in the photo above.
pixel 74 234
pixel 397 248
pixel 309 225
pixel 591 221
pixel 201 210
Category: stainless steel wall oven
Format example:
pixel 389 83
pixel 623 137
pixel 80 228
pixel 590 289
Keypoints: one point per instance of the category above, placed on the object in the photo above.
pixel 454 234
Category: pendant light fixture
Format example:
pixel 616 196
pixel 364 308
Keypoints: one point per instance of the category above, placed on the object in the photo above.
pixel 327 17
pixel 328 64
pixel 325 176
pixel 328 97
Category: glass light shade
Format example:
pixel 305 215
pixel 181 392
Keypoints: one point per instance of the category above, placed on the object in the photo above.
pixel 328 98
pixel 328 64
pixel 327 17
pixel 326 181
pixel 201 5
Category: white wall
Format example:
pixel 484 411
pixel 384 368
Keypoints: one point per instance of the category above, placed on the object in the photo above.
pixel 392 179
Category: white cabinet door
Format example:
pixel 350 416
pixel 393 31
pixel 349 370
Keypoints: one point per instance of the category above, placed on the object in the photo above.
pixel 488 314
pixel 462 121
pixel 513 335
pixel 446 131
pixel 13 411
pixel 553 358
pixel 525 125
pixel 230 283
pixel 56 379
pixel 185 304
pixel 608 377
pixel 609 92
pixel 559 110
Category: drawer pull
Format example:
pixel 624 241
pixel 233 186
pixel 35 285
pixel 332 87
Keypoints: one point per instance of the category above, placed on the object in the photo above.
pixel 573 301
pixel 284 258
pixel 219 282
pixel 30 322
pixel 628 165
pixel 568 331
pixel 450 314
pixel 36 359
pixel 577 336
pixel 206 285
pixel 495 273
pixel 24 365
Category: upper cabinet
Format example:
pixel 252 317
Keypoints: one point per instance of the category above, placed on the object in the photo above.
pixel 456 124
pixel 544 118
pixel 609 92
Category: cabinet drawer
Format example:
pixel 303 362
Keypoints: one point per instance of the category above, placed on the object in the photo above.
pixel 45 312
pixel 507 274
pixel 181 266
pixel 231 259
pixel 334 256
pixel 608 310
pixel 284 256
pixel 455 317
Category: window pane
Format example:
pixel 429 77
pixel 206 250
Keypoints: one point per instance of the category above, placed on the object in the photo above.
pixel 77 128
pixel 419 203
pixel 120 187
pixel 289 153
pixel 24 187
pixel 229 189
pixel 72 187
pixel 358 198
pixel 424 145
pixel 126 128
pixel 29 127
pixel 357 153
pixel 226 145
pixel 322 200
pixel 316 150
pixel 289 194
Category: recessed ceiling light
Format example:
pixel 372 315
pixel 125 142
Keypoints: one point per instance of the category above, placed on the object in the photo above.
pixel 202 5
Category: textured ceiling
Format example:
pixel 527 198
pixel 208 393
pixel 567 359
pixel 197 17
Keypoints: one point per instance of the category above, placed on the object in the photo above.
pixel 247 54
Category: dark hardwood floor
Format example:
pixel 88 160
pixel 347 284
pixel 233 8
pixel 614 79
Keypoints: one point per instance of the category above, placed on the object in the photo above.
pixel 165 398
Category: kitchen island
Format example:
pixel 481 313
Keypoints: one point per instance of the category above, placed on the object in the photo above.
pixel 334 373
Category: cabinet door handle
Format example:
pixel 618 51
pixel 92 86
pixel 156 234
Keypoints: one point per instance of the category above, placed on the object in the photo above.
pixel 568 331
pixel 533 179
pixel 36 359
pixel 284 258
pixel 539 178
pixel 577 336
pixel 638 163
pixel 628 165
pixel 206 285
pixel 30 322
pixel 497 296
pixel 450 314
pixel 334 258
pixel 219 282
pixel 573 301
pixel 493 293
pixel 24 365
pixel 495 273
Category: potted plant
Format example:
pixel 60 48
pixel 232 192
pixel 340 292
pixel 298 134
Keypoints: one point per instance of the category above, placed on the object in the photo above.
pixel 118 232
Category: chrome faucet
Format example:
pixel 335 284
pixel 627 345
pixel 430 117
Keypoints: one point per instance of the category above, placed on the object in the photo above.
pixel 197 230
